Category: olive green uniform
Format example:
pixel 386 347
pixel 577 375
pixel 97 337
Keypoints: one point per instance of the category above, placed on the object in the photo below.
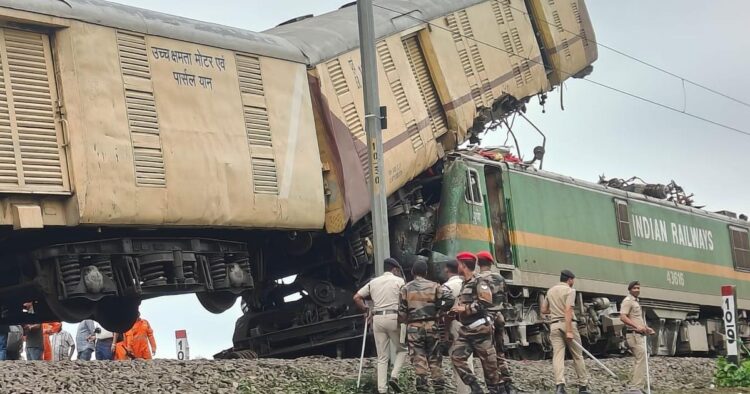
pixel 497 283
pixel 419 304
pixel 475 335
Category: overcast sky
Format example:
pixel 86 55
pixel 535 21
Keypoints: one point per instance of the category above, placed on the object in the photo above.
pixel 600 132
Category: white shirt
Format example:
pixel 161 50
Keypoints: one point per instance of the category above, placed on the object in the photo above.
pixel 103 334
pixel 384 291
pixel 60 344
pixel 455 283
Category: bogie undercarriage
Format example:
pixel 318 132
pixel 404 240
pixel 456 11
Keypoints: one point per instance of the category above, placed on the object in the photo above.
pixel 106 278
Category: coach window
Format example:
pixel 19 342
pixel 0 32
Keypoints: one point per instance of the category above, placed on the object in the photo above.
pixel 473 192
pixel 623 222
pixel 740 248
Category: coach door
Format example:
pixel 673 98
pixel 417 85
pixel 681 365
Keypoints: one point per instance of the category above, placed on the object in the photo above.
pixel 31 144
pixel 497 218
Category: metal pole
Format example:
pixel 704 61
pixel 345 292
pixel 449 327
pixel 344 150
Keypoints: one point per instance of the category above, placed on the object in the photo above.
pixel 374 137
pixel 594 358
pixel 648 377
pixel 362 356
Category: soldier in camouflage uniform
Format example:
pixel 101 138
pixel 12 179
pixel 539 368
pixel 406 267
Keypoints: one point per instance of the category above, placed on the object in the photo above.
pixel 495 313
pixel 419 304
pixel 475 336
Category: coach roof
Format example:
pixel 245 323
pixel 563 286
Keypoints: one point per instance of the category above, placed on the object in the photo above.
pixel 326 36
pixel 143 21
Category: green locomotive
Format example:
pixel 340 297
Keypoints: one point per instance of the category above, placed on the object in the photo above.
pixel 538 223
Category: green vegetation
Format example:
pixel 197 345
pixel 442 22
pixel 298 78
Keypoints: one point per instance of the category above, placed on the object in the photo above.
pixel 731 375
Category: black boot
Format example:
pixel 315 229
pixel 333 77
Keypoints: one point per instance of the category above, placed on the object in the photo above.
pixel 393 384
pixel 510 389
pixel 423 385
pixel 499 389
pixel 583 390
pixel 439 386
pixel 476 388
pixel 560 389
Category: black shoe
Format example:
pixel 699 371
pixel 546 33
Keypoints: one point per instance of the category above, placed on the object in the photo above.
pixel 560 389
pixel 476 388
pixel 498 389
pixel 393 384
pixel 583 390
pixel 510 389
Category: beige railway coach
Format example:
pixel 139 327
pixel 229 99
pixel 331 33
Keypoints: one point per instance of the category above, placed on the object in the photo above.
pixel 112 115
pixel 441 65
pixel 567 36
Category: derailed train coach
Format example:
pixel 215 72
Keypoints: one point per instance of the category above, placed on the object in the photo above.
pixel 136 149
pixel 144 154
pixel 446 69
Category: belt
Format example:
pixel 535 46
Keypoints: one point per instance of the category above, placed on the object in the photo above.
pixel 422 320
pixel 385 312
pixel 479 322
pixel 561 320
pixel 104 340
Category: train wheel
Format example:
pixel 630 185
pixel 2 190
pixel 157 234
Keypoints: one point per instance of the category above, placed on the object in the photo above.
pixel 217 302
pixel 117 314
pixel 71 311
pixel 533 352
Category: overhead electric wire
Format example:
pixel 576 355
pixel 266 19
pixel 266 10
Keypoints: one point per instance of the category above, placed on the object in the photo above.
pixel 600 84
pixel 631 57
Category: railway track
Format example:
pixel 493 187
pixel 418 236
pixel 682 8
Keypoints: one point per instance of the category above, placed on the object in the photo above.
pixel 306 375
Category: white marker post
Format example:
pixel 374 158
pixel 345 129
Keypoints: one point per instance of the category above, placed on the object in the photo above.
pixel 728 306
pixel 183 349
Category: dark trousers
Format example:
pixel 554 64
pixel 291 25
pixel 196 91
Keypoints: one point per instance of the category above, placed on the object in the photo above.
pixel 85 355
pixel 104 349
pixel 34 353
pixel 3 345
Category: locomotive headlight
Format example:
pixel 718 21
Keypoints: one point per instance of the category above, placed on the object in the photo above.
pixel 93 279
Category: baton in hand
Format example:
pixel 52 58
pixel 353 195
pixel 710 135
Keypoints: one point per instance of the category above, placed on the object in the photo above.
pixel 591 356
pixel 362 356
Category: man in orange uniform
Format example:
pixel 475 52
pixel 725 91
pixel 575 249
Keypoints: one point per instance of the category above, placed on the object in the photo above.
pixel 138 339
pixel 119 350
pixel 47 330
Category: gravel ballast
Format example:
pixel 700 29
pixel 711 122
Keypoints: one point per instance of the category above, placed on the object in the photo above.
pixel 309 375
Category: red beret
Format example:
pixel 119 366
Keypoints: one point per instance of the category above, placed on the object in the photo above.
pixel 485 255
pixel 466 256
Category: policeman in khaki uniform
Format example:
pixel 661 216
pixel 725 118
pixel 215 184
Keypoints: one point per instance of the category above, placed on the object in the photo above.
pixel 419 304
pixel 475 334
pixel 497 283
pixel 384 292
pixel 559 304
pixel 636 329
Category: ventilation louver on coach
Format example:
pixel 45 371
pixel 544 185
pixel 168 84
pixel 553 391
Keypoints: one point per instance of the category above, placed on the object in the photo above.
pixel 31 155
